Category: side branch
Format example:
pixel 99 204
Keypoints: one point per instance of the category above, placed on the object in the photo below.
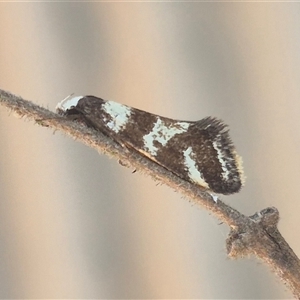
pixel 257 235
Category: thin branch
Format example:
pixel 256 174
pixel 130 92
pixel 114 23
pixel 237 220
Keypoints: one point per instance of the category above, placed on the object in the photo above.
pixel 257 235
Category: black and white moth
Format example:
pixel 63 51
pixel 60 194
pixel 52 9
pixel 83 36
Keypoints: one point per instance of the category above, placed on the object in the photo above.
pixel 200 152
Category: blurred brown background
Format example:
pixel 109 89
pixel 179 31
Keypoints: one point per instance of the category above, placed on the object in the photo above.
pixel 74 224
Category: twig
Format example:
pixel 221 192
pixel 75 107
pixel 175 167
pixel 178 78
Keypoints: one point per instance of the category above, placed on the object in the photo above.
pixel 257 235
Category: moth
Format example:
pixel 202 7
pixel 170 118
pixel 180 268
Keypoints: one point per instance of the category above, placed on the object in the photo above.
pixel 200 152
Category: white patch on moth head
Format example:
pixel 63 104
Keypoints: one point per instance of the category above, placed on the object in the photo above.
pixel 67 103
pixel 119 115
pixel 162 134
pixel 194 174
pixel 222 160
